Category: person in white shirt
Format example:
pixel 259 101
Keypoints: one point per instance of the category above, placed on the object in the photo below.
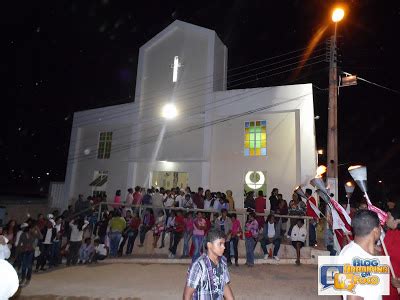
pixel 56 246
pixel 187 202
pixel 157 200
pixel 49 233
pixel 169 229
pixel 216 201
pixel 4 249
pixel 207 199
pixel 366 231
pixel 77 225
pixel 101 251
pixel 169 200
pixel 272 235
pixel 179 199
pixel 298 237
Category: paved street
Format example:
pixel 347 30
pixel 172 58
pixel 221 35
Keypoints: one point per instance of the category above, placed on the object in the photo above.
pixel 155 281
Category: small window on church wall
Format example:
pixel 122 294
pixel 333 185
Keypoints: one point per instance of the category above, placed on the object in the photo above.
pixel 104 148
pixel 255 138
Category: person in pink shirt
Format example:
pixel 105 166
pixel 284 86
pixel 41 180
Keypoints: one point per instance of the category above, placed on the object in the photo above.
pixel 187 234
pixel 129 197
pixel 199 227
pixel 137 196
pixel 251 234
pixel 117 199
pixel 236 234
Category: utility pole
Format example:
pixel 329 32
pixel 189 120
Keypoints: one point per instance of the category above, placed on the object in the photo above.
pixel 332 147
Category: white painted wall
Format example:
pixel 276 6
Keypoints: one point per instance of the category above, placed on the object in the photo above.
pixel 229 165
pixel 213 156
pixel 291 152
pixel 87 126
pixel 203 70
pixel 137 126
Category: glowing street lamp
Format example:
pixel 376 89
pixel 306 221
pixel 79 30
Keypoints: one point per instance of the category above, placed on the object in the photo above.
pixel 169 111
pixel 337 14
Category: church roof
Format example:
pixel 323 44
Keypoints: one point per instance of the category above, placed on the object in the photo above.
pixel 177 24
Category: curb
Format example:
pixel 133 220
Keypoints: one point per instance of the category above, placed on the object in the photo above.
pixel 175 261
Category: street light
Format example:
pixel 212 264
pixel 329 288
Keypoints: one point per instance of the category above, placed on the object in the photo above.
pixel 169 111
pixel 337 14
pixel 332 148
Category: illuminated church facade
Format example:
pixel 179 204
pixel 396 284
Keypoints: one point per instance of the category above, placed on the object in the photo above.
pixel 186 129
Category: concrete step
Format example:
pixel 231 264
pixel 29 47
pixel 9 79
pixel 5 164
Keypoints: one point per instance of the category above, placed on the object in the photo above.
pixel 186 261
pixel 286 250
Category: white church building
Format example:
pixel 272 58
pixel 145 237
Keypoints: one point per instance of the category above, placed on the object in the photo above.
pixel 186 129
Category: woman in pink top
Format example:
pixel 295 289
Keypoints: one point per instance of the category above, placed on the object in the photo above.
pixel 187 234
pixel 236 233
pixel 117 199
pixel 137 196
pixel 199 225
pixel 251 234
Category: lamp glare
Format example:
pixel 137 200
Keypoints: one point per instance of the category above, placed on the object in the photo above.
pixel 169 111
pixel 337 14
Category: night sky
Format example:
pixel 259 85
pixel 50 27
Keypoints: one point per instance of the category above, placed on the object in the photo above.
pixel 64 56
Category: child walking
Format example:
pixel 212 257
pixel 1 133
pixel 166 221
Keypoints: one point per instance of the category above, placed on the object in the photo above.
pixel 208 277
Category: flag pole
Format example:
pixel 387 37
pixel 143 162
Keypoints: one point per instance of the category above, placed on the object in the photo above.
pixel 359 174
pixel 384 246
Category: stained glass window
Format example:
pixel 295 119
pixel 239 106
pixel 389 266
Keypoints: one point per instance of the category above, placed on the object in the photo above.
pixel 255 138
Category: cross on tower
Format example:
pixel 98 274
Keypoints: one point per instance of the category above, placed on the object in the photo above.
pixel 175 67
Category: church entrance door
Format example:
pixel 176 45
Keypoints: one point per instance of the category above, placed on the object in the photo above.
pixel 169 179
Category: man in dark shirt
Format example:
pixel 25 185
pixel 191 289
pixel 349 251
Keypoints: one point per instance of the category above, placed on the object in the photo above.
pixel 273 199
pixel 198 198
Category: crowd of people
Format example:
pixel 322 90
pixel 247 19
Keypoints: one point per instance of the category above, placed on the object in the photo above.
pixel 78 236
pixel 189 226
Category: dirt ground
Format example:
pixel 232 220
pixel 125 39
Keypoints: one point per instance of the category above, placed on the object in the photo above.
pixel 155 281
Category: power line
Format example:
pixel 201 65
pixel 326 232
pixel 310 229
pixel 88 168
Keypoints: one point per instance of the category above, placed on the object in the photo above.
pixel 240 67
pixel 192 95
pixel 217 121
pixel 142 130
pixel 221 78
pixel 189 109
pixel 151 104
pixel 163 121
pixel 319 88
pixel 270 58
